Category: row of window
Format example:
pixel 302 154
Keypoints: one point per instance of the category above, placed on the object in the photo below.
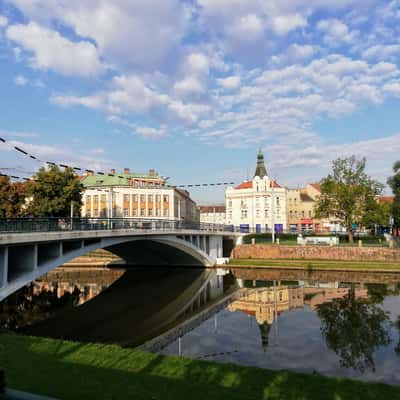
pixel 302 214
pixel 126 198
pixel 134 213
pixel 244 214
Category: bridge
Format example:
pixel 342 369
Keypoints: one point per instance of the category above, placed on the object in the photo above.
pixel 30 248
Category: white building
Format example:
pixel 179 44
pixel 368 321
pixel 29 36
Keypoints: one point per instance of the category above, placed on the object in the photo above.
pixel 212 214
pixel 257 205
pixel 135 195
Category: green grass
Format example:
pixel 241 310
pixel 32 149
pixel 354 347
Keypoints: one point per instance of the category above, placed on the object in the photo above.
pixel 71 370
pixel 316 264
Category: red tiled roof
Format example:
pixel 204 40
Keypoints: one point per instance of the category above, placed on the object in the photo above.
pixel 245 185
pixel 385 199
pixel 316 186
pixel 249 185
pixel 274 184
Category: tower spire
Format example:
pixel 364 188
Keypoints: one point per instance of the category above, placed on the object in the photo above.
pixel 260 169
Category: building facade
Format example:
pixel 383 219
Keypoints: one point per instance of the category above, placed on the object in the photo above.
pixel 130 195
pixel 212 214
pixel 257 205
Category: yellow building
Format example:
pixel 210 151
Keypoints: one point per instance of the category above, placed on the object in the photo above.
pixel 301 210
pixel 126 194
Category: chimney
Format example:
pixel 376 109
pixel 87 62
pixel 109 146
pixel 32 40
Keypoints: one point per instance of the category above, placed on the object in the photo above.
pixel 152 172
pixel 127 171
pixel 112 171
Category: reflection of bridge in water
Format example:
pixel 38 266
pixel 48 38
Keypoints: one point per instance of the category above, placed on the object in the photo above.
pixel 138 306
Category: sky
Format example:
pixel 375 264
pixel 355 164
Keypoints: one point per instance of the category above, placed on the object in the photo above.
pixel 193 88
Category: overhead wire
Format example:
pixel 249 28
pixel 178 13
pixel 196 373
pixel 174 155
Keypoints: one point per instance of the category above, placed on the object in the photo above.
pixel 91 171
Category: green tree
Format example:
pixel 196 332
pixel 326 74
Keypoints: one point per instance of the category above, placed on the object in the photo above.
pixel 354 329
pixel 394 183
pixel 53 191
pixel 348 193
pixel 12 198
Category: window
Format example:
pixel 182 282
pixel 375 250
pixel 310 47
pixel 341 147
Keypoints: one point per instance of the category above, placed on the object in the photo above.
pixel 134 212
pixel 142 212
pixel 166 213
pixel 142 198
pixel 291 214
pixel 134 198
pixel 280 296
pixel 230 214
pixel 150 198
pixel 277 201
pixel 103 198
pixel 165 198
pixel 257 213
pixel 126 198
pixel 302 214
pixel 244 214
pixel 230 203
pixel 243 204
pixel 126 212
pixel 266 213
pixel 158 198
pixel 150 212
pixel 157 212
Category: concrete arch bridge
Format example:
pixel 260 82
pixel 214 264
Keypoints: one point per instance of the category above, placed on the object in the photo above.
pixel 33 248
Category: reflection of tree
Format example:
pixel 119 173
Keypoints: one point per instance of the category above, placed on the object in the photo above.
pixel 397 348
pixel 264 331
pixel 354 329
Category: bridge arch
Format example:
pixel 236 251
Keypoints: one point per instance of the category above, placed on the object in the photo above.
pixel 23 263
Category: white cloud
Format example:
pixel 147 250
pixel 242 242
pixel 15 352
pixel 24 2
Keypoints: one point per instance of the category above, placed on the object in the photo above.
pixel 392 88
pixel 336 32
pixel 190 85
pixel 152 133
pixel 53 51
pixel 197 63
pixel 382 52
pixel 20 80
pixel 283 24
pixel 129 34
pixel 3 21
pixel 231 82
pixel 248 27
pixel 295 54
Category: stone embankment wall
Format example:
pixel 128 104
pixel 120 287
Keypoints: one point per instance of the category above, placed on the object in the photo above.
pixel 315 253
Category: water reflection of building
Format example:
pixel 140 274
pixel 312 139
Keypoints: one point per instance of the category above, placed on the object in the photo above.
pixel 89 283
pixel 266 303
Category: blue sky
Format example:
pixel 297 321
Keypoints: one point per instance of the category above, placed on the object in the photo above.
pixel 193 88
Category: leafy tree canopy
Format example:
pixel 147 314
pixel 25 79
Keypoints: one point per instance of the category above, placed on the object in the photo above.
pixel 12 198
pixel 394 183
pixel 53 191
pixel 348 193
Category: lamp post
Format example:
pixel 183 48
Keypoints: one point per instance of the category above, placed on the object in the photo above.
pixel 272 212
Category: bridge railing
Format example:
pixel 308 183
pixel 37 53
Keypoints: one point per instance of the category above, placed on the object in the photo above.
pixel 28 225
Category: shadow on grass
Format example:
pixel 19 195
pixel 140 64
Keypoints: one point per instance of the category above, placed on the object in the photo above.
pixel 77 371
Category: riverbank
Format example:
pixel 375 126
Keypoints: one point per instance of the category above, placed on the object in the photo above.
pixel 315 265
pixel 72 370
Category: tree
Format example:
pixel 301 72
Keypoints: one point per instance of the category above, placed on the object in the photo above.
pixel 348 193
pixel 53 191
pixel 354 329
pixel 12 198
pixel 394 183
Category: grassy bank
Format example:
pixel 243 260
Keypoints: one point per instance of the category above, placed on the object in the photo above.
pixel 317 264
pixel 70 370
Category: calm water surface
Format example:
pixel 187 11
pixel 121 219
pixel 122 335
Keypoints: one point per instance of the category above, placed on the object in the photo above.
pixel 336 324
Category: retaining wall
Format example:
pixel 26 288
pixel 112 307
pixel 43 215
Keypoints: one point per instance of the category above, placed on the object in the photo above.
pixel 315 253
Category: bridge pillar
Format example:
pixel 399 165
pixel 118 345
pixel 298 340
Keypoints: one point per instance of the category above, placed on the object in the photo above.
pixel 23 259
pixel 3 266
pixel 216 246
